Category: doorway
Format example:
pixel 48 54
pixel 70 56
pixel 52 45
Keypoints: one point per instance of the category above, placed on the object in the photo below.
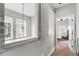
pixel 65 36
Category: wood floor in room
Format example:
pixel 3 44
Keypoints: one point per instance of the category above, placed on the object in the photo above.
pixel 62 49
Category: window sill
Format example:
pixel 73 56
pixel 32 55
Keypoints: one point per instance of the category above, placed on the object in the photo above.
pixel 18 40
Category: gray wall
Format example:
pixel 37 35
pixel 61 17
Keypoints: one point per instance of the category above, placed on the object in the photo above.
pixel 77 27
pixel 47 25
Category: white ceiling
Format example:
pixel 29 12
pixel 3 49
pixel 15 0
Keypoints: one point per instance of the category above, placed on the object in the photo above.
pixel 57 5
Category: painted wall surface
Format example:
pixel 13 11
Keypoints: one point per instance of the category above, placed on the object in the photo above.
pixel 77 26
pixel 47 29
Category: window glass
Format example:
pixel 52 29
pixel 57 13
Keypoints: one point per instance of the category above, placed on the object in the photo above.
pixel 20 28
pixel 8 25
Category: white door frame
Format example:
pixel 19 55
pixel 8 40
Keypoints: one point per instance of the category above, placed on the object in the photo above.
pixel 71 16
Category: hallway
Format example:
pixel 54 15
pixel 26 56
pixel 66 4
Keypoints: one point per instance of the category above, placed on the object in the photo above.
pixel 62 49
pixel 32 29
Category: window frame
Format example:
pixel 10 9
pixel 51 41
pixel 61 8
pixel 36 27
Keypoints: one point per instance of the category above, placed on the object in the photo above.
pixel 25 25
pixel 29 36
pixel 14 28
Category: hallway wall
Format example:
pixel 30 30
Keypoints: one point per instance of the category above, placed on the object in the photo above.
pixel 77 26
pixel 47 29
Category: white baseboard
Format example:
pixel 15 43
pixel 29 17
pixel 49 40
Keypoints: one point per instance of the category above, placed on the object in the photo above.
pixel 51 52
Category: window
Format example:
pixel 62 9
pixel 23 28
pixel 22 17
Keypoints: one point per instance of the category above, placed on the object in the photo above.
pixel 8 25
pixel 20 22
pixel 20 28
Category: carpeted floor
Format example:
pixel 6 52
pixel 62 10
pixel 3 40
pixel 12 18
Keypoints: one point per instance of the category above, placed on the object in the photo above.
pixel 62 49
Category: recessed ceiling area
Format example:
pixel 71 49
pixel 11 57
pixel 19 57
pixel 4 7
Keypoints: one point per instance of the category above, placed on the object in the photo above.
pixel 57 5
